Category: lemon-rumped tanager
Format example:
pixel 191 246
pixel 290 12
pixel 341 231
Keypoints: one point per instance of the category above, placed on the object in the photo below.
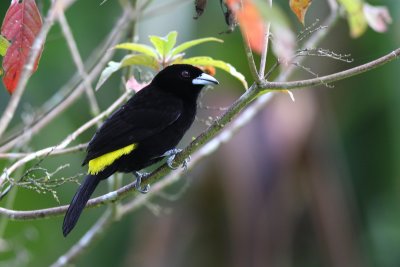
pixel 141 132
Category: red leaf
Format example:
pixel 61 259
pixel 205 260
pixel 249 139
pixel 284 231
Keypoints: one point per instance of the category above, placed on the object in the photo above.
pixel 250 21
pixel 20 26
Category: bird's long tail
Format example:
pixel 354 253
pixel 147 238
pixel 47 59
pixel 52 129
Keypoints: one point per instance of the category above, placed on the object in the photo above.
pixel 78 203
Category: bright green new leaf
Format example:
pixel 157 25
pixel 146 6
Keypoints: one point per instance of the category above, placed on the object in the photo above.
pixel 163 45
pixel 164 54
pixel 4 44
pixel 140 59
pixel 182 47
pixel 355 16
pixel 140 48
pixel 208 61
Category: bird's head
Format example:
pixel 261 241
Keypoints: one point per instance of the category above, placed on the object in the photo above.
pixel 183 79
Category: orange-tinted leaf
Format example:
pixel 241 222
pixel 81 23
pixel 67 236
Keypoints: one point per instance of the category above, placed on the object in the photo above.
pixel 299 7
pixel 20 26
pixel 250 22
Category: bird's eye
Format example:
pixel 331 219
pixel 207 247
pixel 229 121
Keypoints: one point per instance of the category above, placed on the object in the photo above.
pixel 185 74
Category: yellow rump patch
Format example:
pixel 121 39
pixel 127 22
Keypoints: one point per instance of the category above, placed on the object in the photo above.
pixel 100 163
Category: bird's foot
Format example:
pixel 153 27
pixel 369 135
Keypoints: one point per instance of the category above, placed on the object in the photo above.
pixel 138 185
pixel 171 156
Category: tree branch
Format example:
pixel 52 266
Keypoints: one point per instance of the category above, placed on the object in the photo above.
pixel 332 77
pixel 94 106
pixel 263 60
pixel 87 239
pixel 77 148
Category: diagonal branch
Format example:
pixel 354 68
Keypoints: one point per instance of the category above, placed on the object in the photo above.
pixel 87 239
pixel 332 77
pixel 94 106
pixel 77 148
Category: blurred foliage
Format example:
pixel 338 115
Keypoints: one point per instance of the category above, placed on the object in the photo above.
pixel 329 199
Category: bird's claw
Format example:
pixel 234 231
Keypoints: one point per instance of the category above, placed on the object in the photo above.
pixel 171 157
pixel 138 185
pixel 170 154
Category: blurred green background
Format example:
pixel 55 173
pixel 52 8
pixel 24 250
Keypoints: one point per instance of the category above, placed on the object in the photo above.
pixel 310 183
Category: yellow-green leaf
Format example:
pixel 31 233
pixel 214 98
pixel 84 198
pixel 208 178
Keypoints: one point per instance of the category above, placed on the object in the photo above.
pixel 163 45
pixel 355 16
pixel 184 46
pixel 140 48
pixel 208 61
pixel 4 44
pixel 299 7
pixel 139 59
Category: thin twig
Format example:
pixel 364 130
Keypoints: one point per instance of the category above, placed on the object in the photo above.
pixel 263 60
pixel 250 58
pixel 94 106
pixel 333 77
pixel 77 148
pixel 88 239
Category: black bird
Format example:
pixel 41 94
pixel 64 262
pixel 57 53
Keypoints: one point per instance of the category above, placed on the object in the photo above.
pixel 141 132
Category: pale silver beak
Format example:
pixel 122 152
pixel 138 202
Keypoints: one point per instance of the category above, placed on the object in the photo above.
pixel 205 79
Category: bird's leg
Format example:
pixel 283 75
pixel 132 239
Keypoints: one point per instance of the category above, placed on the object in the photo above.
pixel 139 176
pixel 171 156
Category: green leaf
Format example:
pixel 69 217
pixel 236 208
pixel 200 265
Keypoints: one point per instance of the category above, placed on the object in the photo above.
pixel 163 45
pixel 355 16
pixel 139 59
pixel 182 47
pixel 144 49
pixel 208 61
pixel 4 44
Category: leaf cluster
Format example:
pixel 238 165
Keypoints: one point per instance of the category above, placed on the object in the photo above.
pixel 164 53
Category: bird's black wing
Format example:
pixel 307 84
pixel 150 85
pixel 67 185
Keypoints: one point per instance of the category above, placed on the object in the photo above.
pixel 138 119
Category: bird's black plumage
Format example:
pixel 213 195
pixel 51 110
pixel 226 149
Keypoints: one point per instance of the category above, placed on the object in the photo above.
pixel 152 122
